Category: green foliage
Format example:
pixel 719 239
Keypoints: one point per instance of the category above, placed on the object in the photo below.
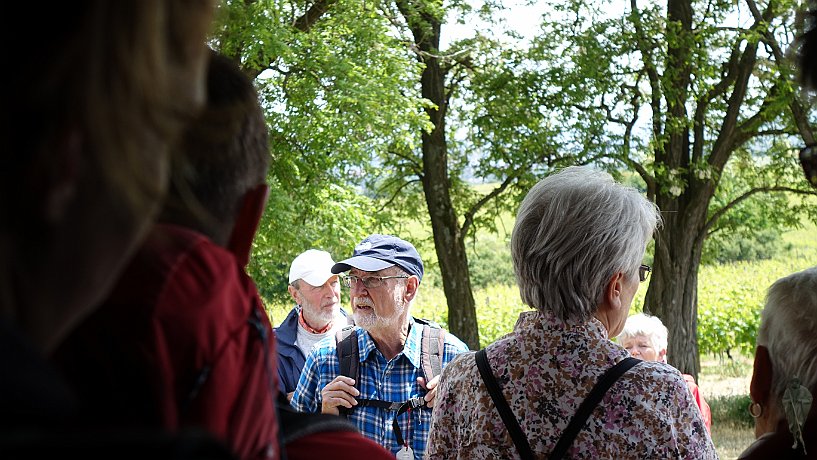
pixel 489 261
pixel 346 115
pixel 731 296
pixel 762 244
pixel 752 228
pixel 498 307
pixel 334 94
pixel 290 226
pixel 731 410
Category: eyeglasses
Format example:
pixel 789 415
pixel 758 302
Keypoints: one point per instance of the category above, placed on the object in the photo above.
pixel 808 160
pixel 643 272
pixel 370 281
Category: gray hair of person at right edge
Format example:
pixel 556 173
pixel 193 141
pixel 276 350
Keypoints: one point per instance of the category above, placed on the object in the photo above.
pixel 787 326
pixel 574 230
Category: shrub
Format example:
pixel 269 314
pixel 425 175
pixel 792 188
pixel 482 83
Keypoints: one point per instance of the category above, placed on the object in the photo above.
pixel 731 410
pixel 731 297
pixel 489 262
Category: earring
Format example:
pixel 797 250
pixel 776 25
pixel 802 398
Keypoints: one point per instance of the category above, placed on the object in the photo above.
pixel 755 409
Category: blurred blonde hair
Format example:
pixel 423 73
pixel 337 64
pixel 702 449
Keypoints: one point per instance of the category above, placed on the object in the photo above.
pixel 118 76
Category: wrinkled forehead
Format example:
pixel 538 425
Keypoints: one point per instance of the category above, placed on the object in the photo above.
pixel 636 338
pixel 362 273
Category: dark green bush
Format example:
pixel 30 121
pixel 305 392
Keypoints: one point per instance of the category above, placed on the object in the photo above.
pixel 489 262
pixel 731 410
pixel 761 245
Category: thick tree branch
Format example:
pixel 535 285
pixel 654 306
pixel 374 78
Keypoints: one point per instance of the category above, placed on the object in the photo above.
pixel 722 148
pixel 797 109
pixel 472 211
pixel 311 16
pixel 720 212
pixel 645 176
pixel 749 127
pixel 635 102
pixel 729 72
pixel 396 194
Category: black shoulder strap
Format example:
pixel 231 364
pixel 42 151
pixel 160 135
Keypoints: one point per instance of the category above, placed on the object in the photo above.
pixel 586 408
pixel 518 436
pixel 348 355
pixel 431 350
pixel 426 322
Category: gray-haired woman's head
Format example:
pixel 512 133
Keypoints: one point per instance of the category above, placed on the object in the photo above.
pixel 574 230
pixel 787 326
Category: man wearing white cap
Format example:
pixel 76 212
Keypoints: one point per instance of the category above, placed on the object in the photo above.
pixel 317 314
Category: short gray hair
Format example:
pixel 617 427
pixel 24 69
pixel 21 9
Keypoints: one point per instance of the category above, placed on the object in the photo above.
pixel 787 326
pixel 574 230
pixel 648 326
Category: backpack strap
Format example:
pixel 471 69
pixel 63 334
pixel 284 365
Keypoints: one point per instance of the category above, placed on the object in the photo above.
pixel 590 402
pixel 348 353
pixel 431 350
pixel 432 346
pixel 505 412
pixel 576 423
pixel 348 356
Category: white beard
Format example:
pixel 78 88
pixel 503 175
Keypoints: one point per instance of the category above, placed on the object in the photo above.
pixel 369 320
pixel 317 316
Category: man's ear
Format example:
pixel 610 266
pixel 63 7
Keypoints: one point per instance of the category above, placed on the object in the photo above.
pixel 761 386
pixel 246 223
pixel 294 293
pixel 412 284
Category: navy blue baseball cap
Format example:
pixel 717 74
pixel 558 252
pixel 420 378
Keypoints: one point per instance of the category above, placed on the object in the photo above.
pixel 378 252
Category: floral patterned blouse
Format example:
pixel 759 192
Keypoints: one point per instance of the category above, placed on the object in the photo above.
pixel 546 367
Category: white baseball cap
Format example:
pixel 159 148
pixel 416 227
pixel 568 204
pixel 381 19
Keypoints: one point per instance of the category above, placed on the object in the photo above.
pixel 313 266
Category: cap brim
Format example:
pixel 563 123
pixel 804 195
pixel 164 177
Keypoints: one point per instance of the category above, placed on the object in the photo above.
pixel 367 264
pixel 317 278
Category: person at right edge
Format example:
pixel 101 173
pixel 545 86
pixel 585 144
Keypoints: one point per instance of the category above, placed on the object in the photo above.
pixel 577 247
pixel 785 371
pixel 784 377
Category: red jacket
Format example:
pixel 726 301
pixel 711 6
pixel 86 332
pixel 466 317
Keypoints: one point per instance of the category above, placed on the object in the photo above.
pixel 182 341
pixel 706 413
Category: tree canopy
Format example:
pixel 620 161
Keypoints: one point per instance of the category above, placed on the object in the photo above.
pixel 377 119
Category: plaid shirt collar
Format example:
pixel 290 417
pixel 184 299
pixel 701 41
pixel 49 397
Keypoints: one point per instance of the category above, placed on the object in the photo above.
pixel 411 349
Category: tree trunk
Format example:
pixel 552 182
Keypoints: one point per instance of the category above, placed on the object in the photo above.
pixel 673 291
pixel 449 241
pixel 672 294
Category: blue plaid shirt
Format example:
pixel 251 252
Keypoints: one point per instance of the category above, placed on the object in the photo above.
pixel 391 381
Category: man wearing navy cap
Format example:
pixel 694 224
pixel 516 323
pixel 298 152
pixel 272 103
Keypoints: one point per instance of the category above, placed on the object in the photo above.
pixel 384 278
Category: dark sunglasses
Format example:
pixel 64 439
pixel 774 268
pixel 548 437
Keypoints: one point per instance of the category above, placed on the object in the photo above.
pixel 808 160
pixel 643 272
